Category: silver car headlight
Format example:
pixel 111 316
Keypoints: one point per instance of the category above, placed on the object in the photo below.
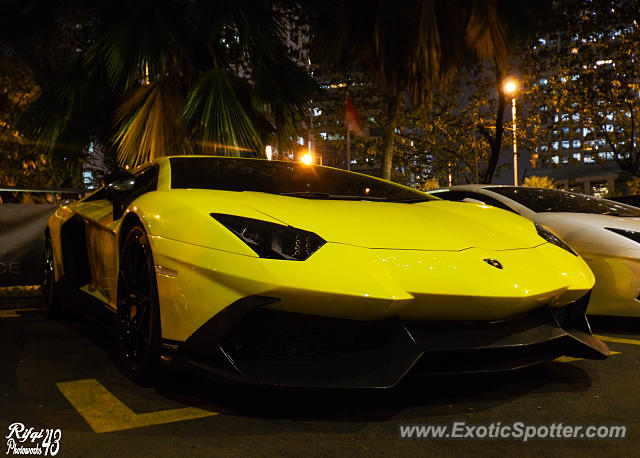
pixel 272 241
pixel 553 239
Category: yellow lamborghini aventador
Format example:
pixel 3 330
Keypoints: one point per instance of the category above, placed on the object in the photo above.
pixel 288 274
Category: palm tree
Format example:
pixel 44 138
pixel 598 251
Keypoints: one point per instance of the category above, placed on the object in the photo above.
pixel 176 77
pixel 408 48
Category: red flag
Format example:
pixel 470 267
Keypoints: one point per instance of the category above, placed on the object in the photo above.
pixel 353 118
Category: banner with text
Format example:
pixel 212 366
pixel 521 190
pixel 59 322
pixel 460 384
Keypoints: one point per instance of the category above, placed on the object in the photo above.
pixel 22 243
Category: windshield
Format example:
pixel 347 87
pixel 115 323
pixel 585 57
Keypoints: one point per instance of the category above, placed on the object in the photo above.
pixel 553 200
pixel 285 178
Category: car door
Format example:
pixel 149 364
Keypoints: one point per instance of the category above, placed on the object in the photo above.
pixel 102 237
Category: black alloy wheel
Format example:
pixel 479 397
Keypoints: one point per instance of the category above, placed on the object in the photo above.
pixel 50 301
pixel 138 312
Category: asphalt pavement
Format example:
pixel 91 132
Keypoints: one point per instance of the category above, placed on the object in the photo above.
pixel 62 378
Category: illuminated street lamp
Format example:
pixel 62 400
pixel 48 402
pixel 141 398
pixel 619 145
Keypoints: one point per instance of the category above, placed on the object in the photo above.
pixel 268 151
pixel 511 88
pixel 307 159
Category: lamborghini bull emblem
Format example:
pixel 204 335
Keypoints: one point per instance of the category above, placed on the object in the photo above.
pixel 493 263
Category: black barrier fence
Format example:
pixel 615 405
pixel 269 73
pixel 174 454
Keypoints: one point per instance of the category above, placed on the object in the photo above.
pixel 22 237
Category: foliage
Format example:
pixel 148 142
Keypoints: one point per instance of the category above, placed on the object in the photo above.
pixel 464 129
pixel 408 50
pixel 21 165
pixel 457 132
pixel 539 182
pixel 429 184
pixel 589 97
pixel 175 77
pixel 634 185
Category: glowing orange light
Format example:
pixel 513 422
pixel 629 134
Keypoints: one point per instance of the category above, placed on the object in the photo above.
pixel 510 86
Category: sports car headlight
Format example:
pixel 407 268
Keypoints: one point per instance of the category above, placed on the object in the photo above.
pixel 551 238
pixel 273 241
pixel 633 235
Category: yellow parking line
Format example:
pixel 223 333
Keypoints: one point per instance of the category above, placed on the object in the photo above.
pixel 15 313
pixel 619 340
pixel 104 412
pixel 568 359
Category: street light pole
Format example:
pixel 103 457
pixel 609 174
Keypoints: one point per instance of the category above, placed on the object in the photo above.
pixel 515 142
pixel 510 88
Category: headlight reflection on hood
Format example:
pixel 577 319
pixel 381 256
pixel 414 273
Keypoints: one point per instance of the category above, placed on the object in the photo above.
pixel 269 240
pixel 551 238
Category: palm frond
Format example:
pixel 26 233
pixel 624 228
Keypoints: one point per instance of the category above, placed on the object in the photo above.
pixel 148 128
pixel 214 112
pixel 485 31
pixel 141 37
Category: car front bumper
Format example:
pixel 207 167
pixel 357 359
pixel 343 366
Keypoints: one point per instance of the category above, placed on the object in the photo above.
pixel 253 343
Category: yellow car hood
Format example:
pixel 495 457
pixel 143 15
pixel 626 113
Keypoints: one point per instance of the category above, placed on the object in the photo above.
pixel 433 225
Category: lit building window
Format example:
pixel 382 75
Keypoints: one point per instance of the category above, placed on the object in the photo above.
pixel 555 159
pixel 300 141
pixel 87 177
pixel 576 143
pixel 588 159
pixel 565 143
pixel 576 156
pixel 554 145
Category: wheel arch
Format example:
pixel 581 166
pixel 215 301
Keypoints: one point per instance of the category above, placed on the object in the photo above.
pixel 130 219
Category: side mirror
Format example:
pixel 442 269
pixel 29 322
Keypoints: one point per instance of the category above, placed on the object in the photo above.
pixel 118 185
pixel 119 181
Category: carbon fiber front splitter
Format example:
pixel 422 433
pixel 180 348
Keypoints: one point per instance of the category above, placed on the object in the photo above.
pixel 252 344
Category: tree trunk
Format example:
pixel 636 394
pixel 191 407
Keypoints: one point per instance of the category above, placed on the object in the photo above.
pixel 392 109
pixel 496 142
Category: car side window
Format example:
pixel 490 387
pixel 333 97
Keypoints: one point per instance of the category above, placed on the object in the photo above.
pixel 459 196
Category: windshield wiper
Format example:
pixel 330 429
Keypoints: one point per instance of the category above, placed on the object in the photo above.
pixel 306 194
pixel 328 196
pixel 411 200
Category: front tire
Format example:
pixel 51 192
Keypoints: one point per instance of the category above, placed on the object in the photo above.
pixel 138 311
